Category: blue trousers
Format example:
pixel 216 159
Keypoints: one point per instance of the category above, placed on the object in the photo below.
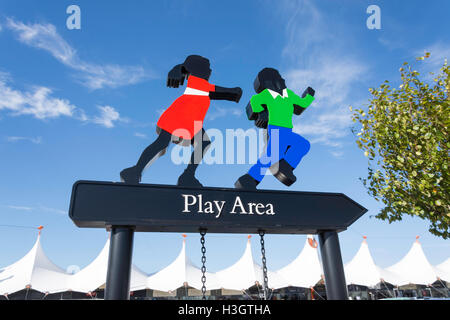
pixel 282 144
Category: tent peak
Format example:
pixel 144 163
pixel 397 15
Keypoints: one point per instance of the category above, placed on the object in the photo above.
pixel 313 243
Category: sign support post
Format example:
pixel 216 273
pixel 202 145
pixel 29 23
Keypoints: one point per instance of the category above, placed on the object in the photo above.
pixel 333 267
pixel 119 263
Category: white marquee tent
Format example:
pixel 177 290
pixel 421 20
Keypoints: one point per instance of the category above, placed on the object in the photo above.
pixel 306 270
pixel 179 273
pixel 414 268
pixel 93 276
pixel 362 270
pixel 36 271
pixel 245 273
pixel 443 270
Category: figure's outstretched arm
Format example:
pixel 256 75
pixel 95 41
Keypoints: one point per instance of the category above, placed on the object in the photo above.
pixel 176 76
pixel 257 110
pixel 230 94
pixel 305 101
pixel 260 115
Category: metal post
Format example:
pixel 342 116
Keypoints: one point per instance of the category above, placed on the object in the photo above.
pixel 333 267
pixel 119 264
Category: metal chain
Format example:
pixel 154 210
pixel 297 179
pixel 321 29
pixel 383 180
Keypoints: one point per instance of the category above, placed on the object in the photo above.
pixel 264 264
pixel 202 241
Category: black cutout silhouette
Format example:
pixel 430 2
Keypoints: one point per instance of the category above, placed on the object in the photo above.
pixel 271 80
pixel 179 126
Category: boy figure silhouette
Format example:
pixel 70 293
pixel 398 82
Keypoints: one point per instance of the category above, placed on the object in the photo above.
pixel 272 108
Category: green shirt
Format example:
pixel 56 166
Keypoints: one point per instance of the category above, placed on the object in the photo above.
pixel 280 108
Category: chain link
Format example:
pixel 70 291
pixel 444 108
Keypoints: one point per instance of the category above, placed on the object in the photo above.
pixel 264 265
pixel 202 241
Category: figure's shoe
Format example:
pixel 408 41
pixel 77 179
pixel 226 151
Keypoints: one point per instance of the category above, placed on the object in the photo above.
pixel 246 182
pixel 283 172
pixel 188 180
pixel 131 175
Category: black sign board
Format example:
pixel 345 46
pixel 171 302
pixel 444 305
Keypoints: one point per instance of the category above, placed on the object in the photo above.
pixel 161 208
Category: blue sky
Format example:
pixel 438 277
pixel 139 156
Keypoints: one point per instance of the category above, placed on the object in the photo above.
pixel 82 104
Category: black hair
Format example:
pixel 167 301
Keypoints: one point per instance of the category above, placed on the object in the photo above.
pixel 197 66
pixel 269 78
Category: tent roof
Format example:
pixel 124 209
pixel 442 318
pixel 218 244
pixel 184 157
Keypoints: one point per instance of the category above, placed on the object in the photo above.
pixel 179 273
pixel 34 270
pixel 93 276
pixel 245 273
pixel 362 270
pixel 413 268
pixel 305 270
pixel 443 270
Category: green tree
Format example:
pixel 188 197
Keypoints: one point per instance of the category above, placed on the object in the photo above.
pixel 404 133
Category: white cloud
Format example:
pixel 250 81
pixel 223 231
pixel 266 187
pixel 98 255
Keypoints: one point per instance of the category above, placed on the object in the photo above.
pixel 392 44
pixel 305 29
pixel 36 140
pixel 108 115
pixel 337 154
pixel 93 76
pixel 326 128
pixel 44 36
pixel 439 52
pixel 37 208
pixel 51 210
pixel 38 102
pixel 20 208
pixel 140 135
pixel 315 56
pixel 220 112
pixel 331 78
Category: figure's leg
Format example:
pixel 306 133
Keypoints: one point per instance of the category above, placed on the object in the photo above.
pixel 299 147
pixel 256 173
pixel 282 170
pixel 254 176
pixel 151 153
pixel 201 143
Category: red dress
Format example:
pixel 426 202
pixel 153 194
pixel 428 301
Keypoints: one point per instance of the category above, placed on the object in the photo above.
pixel 184 118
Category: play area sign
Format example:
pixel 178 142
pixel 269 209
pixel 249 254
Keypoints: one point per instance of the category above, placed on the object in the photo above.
pixel 163 208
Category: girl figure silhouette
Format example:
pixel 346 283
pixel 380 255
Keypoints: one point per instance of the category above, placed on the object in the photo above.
pixel 182 122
